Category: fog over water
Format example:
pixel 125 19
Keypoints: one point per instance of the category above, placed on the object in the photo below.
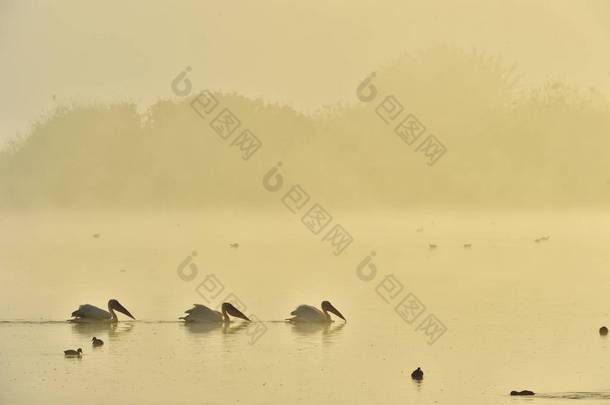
pixel 437 171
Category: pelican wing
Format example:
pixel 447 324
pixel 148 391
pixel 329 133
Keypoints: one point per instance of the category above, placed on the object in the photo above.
pixel 201 313
pixel 91 312
pixel 198 308
pixel 307 313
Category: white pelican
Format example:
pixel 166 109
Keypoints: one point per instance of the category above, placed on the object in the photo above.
pixel 89 313
pixel 97 342
pixel 201 313
pixel 307 313
pixel 73 353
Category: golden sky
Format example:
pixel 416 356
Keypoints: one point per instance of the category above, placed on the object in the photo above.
pixel 303 54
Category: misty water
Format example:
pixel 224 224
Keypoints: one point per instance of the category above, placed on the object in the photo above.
pixel 518 314
pixel 166 156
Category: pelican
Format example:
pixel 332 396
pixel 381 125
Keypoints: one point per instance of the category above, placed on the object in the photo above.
pixel 201 313
pixel 308 313
pixel 89 313
pixel 73 353
pixel 97 342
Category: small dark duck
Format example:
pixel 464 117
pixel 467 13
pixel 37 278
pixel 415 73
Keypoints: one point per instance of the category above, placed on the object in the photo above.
pixel 73 353
pixel 417 375
pixel 97 342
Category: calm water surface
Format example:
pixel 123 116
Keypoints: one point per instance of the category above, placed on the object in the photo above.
pixel 519 315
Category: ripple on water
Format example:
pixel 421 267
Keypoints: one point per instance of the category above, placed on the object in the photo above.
pixel 575 395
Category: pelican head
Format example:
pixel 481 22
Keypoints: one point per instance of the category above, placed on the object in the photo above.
pixel 115 305
pixel 228 308
pixel 328 307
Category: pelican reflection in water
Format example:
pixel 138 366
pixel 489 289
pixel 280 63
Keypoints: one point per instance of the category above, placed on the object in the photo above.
pixel 308 313
pixel 208 327
pixel 111 330
pixel 327 329
pixel 201 313
pixel 91 314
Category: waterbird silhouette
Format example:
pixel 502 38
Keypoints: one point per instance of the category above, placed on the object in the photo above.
pixel 89 313
pixel 308 313
pixel 202 313
pixel 73 353
pixel 522 393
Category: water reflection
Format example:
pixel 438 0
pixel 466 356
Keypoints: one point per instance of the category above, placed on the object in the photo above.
pixel 326 329
pixel 417 383
pixel 207 327
pixel 102 329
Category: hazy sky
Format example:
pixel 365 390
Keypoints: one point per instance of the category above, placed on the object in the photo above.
pixel 305 54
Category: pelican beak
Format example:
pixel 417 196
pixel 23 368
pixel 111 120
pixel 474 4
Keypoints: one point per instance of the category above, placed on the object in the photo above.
pixel 122 310
pixel 336 312
pixel 231 310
